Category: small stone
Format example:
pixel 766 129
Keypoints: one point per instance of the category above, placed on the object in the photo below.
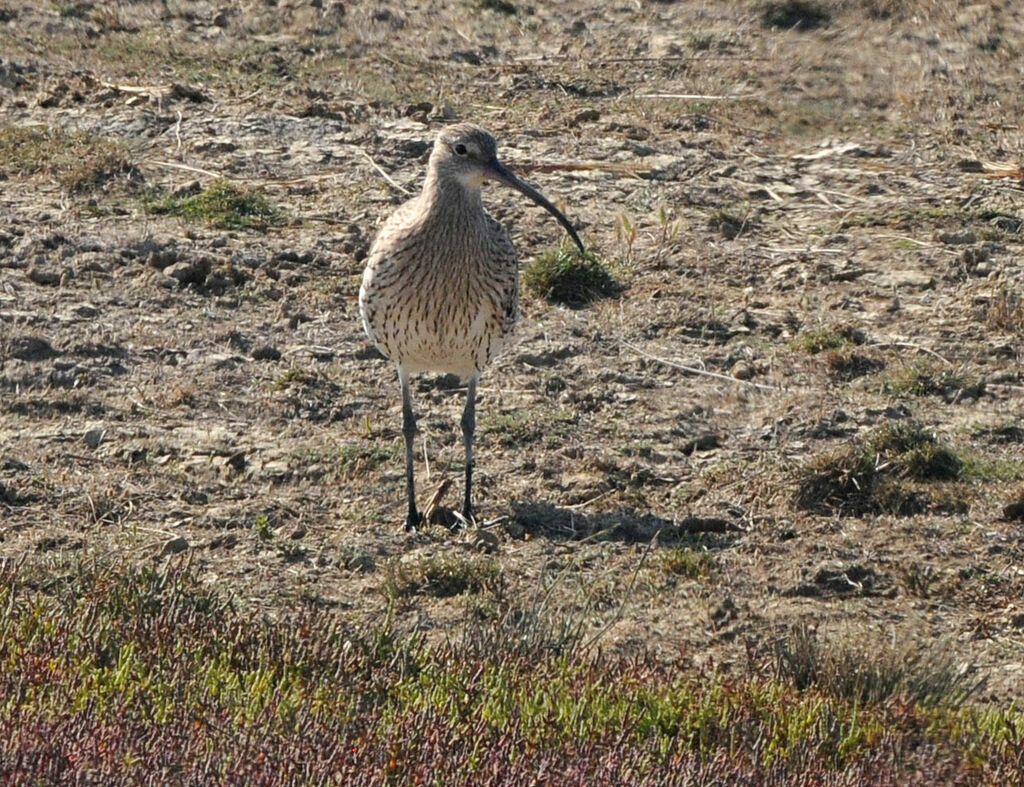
pixel 162 258
pixel 742 370
pixel 31 348
pixel 705 442
pixel 94 437
pixel 216 145
pixel 904 279
pixel 1014 512
pixel 225 541
pixel 485 541
pixel 970 165
pixel 174 546
pixel 963 238
pixel 48 277
pixel 420 111
pixel 188 272
pixel 236 462
pixel 189 189
pixel 190 92
pixel 586 116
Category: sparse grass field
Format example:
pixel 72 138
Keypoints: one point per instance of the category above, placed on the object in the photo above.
pixel 752 473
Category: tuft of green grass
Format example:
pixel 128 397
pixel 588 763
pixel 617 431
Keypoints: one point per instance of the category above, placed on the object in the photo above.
pixel 78 160
pixel 928 377
pixel 825 338
pixel 566 276
pixel 893 470
pixel 683 561
pixel 987 468
pixel 293 376
pixel 261 524
pixel 223 205
pixel 355 459
pixel 440 576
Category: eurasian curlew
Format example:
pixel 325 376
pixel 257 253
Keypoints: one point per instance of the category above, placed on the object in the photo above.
pixel 441 288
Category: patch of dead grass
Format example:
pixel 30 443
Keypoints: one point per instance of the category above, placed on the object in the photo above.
pixel 79 161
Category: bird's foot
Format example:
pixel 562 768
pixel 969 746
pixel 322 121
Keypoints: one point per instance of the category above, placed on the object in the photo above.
pixel 467 519
pixel 413 522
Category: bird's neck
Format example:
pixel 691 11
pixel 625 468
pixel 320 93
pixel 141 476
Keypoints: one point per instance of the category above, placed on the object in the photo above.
pixel 443 196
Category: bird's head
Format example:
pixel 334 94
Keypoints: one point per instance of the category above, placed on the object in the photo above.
pixel 469 154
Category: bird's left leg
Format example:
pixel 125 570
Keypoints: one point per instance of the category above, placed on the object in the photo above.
pixel 468 427
pixel 412 520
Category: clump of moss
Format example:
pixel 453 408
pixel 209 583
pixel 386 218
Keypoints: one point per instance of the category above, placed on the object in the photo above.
pixel 898 469
pixel 223 205
pixel 566 276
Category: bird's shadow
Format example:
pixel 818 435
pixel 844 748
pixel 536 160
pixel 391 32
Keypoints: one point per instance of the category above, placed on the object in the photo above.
pixel 539 518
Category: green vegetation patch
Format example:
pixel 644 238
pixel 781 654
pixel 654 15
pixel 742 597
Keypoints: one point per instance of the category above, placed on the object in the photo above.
pixel 440 576
pixel 832 337
pixel 684 561
pixel 78 160
pixel 223 205
pixel 520 428
pixel 930 377
pixel 566 276
pixel 899 469
pixel 113 673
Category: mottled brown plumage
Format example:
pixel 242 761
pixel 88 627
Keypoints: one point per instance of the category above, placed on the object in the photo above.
pixel 441 288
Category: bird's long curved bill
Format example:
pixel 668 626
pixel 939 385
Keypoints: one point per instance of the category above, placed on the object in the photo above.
pixel 502 174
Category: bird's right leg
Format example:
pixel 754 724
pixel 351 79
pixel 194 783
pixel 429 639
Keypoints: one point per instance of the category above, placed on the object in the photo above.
pixel 412 521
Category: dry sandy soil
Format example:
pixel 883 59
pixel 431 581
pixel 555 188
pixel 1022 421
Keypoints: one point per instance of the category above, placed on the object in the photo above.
pixel 824 210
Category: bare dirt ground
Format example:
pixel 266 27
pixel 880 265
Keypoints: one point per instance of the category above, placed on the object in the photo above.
pixel 823 209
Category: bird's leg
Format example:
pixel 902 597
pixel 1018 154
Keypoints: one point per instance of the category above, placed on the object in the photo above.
pixel 468 427
pixel 412 521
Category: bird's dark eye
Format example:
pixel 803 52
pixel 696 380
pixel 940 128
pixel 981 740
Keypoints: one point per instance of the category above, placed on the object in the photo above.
pixel 460 149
